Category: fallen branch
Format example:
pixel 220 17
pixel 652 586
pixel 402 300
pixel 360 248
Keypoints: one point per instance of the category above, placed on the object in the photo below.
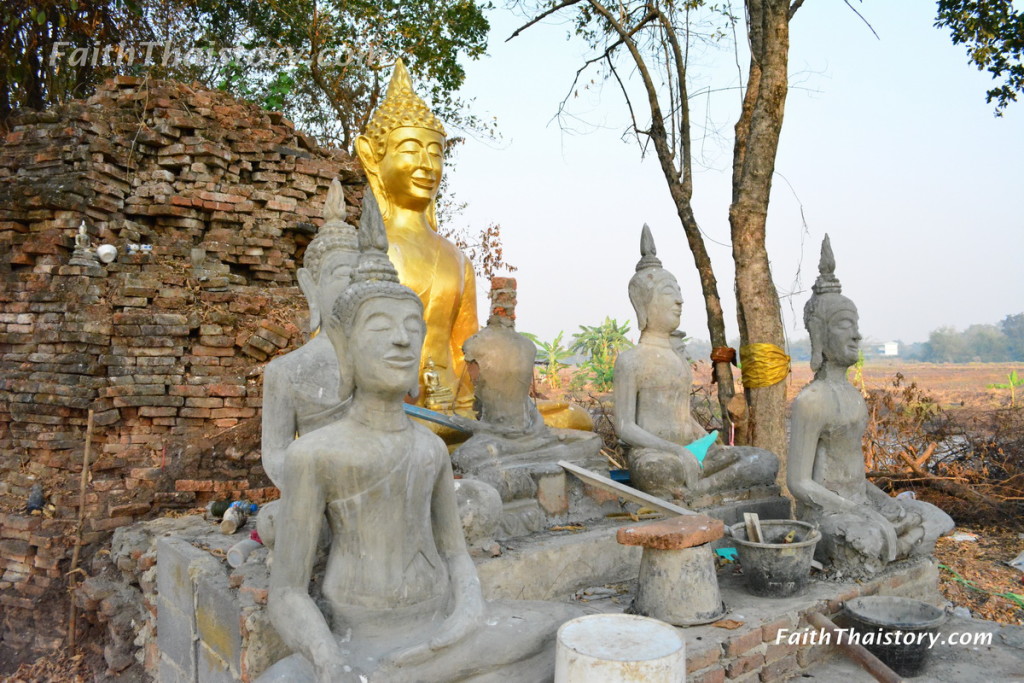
pixel 946 486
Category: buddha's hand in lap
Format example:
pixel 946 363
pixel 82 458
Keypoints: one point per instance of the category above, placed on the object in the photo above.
pixel 332 668
pixel 454 629
pixel 887 529
pixel 691 467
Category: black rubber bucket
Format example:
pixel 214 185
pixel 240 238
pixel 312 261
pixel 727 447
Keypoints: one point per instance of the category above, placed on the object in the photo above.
pixel 775 569
pixel 895 629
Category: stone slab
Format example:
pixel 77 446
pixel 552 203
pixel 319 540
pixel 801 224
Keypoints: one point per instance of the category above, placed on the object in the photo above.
pixel 553 565
pixel 674 533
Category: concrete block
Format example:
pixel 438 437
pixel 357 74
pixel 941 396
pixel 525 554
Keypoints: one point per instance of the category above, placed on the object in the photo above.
pixel 212 669
pixel 218 619
pixel 554 566
pixel 171 673
pixel 176 636
pixel 552 493
pixel 174 582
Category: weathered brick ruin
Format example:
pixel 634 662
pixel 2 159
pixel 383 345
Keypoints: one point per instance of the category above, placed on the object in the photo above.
pixel 167 343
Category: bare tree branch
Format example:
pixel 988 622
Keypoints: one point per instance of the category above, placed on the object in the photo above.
pixel 866 22
pixel 543 15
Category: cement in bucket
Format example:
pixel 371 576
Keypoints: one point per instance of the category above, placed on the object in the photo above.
pixel 619 648
pixel 775 569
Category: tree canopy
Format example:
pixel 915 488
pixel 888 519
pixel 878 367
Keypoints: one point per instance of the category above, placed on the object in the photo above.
pixel 322 62
pixel 993 33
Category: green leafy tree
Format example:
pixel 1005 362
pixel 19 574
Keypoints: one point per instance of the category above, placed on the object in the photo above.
pixel 993 33
pixel 601 345
pixel 29 31
pixel 322 62
pixel 553 355
pixel 1013 327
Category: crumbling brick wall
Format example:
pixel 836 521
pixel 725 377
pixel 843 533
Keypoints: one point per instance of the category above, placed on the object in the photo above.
pixel 166 345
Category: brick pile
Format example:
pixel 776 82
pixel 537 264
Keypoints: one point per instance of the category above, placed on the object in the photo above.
pixel 210 202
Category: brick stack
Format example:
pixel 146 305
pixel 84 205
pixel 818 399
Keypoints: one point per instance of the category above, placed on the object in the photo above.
pixel 210 203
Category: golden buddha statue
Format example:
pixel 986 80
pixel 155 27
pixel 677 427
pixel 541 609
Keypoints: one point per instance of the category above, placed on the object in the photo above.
pixel 402 152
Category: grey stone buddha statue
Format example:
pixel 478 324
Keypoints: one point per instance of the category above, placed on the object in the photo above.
pixel 400 595
pixel 862 527
pixel 652 385
pixel 302 390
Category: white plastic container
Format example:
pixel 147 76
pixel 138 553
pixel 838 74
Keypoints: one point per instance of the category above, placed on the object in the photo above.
pixel 619 648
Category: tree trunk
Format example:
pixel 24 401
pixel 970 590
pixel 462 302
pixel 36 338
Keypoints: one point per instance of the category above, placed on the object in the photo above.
pixel 712 302
pixel 757 140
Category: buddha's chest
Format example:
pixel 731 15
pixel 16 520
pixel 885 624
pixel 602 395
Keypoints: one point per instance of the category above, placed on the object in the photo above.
pixel 428 266
pixel 848 416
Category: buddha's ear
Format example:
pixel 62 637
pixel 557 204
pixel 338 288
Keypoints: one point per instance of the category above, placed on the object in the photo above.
pixel 308 288
pixel 364 150
pixel 346 369
pixel 414 392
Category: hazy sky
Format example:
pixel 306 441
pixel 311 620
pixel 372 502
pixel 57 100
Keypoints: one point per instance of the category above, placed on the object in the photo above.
pixel 887 144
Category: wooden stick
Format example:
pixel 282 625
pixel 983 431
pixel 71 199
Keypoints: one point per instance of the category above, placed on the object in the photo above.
pixel 855 651
pixel 72 578
pixel 623 491
pixel 753 524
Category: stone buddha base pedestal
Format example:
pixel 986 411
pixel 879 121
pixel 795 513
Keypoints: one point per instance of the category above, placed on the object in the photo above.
pixel 536 493
pixel 677 583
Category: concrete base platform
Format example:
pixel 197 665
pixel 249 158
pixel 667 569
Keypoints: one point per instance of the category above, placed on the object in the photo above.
pixel 211 622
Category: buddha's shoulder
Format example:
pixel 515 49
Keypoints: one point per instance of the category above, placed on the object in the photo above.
pixel 309 359
pixel 817 398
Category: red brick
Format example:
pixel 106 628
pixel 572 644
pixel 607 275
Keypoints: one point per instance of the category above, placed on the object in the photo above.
pixel 770 630
pixel 109 523
pixel 774 652
pixel 707 676
pixel 193 485
pixel 744 664
pixel 226 390
pixel 21 522
pixel 743 642
pixel 780 670
pixel 702 659
pixel 684 531
pixel 201 350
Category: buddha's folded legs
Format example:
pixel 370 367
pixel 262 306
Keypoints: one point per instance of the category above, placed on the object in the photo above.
pixel 734 468
pixel 657 472
pixel 934 523
pixel 515 642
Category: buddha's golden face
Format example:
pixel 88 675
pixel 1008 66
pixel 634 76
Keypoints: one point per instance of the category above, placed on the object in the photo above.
pixel 411 167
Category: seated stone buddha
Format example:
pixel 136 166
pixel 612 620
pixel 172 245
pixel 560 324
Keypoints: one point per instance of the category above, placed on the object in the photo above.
pixel 400 599
pixel 652 384
pixel 862 527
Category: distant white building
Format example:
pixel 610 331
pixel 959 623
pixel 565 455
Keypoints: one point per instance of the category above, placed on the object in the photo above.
pixel 889 349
